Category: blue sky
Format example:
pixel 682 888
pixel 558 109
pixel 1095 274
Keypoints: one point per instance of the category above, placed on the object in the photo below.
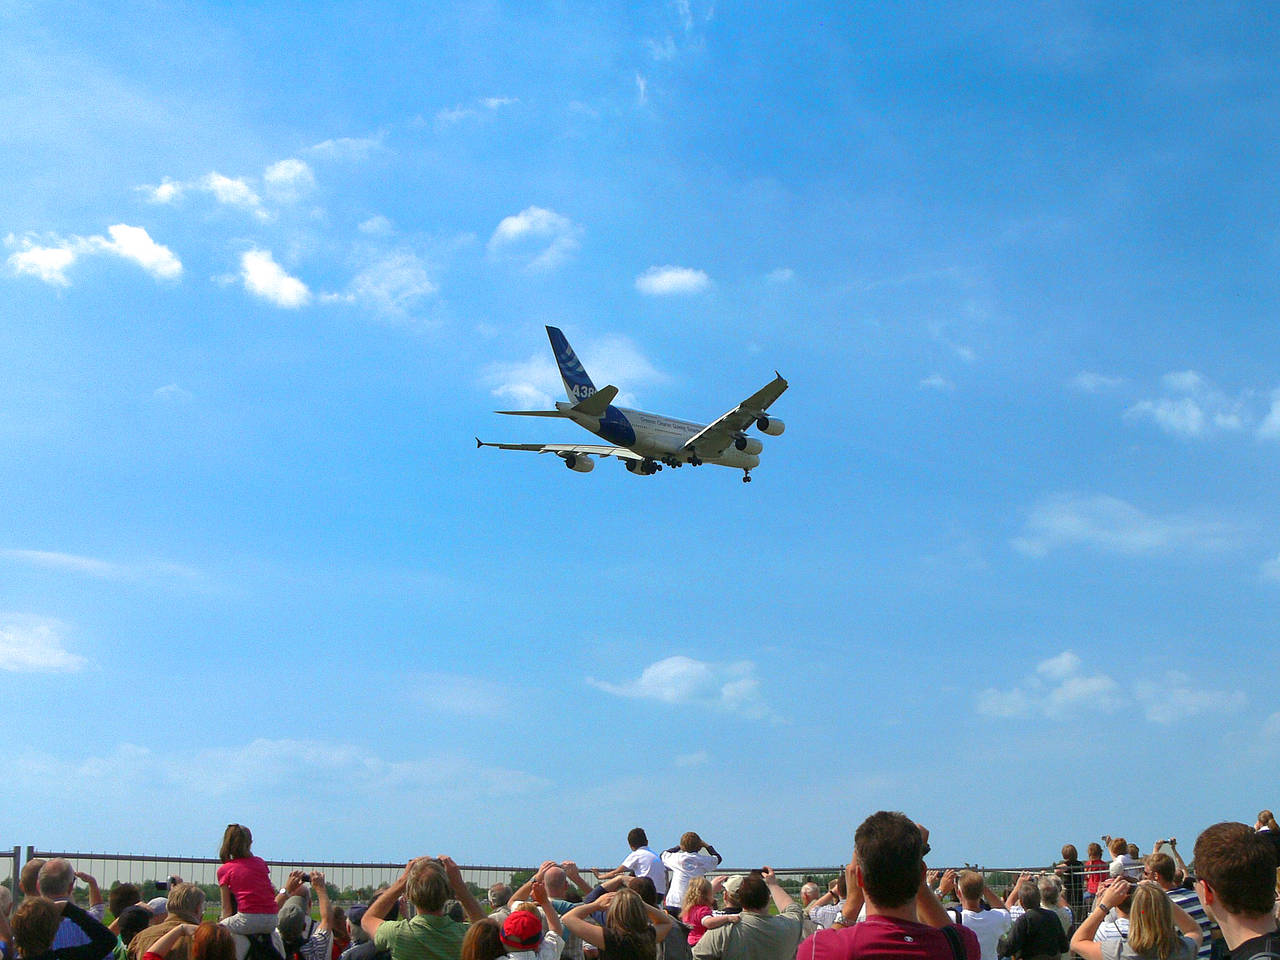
pixel 1014 566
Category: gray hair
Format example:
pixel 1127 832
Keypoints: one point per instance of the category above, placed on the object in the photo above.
pixel 57 878
pixel 1050 889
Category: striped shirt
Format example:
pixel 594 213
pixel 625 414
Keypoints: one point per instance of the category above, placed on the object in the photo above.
pixel 1189 902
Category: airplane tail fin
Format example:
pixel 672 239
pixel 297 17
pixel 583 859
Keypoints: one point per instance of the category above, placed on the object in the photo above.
pixel 576 382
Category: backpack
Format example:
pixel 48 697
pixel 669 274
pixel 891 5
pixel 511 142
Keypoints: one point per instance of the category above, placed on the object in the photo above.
pixel 261 947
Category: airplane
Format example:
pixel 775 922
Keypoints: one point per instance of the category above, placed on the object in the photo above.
pixel 646 442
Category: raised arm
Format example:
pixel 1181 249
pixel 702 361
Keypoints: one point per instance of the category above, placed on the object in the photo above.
pixel 1015 897
pixel 576 921
pixel 95 894
pixel 322 899
pixel 781 899
pixel 525 890
pixel 291 887
pixel 575 876
pixel 101 940
pixel 375 916
pixel 661 920
pixel 1187 925
pixel 470 905
pixel 851 909
pixel 1110 894
pixel 548 911
pixel 1183 872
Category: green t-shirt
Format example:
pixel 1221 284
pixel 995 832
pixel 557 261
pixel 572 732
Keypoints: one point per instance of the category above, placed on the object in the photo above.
pixel 425 937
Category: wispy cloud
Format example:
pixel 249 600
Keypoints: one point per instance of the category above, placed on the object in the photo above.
pixel 670 281
pixel 780 276
pixel 1112 525
pixel 50 260
pixel 1088 382
pixel 99 568
pixel 531 384
pixel 937 382
pixel 267 280
pixel 392 286
pixel 1192 408
pixel 1061 686
pixel 539 238
pixel 289 180
pixel 1270 570
pixel 30 644
pixel 731 687
pixel 346 148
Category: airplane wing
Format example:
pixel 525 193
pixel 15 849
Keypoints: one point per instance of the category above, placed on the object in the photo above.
pixel 594 449
pixel 716 437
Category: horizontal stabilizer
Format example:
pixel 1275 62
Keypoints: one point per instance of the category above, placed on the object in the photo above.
pixel 596 404
pixel 533 413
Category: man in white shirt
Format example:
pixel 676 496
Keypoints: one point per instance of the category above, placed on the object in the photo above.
pixel 989 925
pixel 640 862
pixel 686 862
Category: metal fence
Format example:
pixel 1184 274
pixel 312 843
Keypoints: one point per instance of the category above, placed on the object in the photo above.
pixel 355 881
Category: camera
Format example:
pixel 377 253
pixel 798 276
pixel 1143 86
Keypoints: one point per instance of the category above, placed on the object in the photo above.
pixel 162 885
pixel 305 877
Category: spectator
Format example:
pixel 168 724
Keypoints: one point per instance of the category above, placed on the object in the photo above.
pixel 303 939
pixel 1095 871
pixel 39 921
pixel 753 934
pixel 6 934
pixel 341 933
pixel 1050 887
pixel 499 897
pixel 1071 870
pixel 728 888
pixel 556 880
pixel 184 906
pixel 686 862
pixel 250 903
pixel 483 941
pixel 698 913
pixel 826 911
pixel 1160 869
pixel 209 941
pixel 523 934
pixel 27 879
pixel 1114 922
pixel 632 928
pixel 362 947
pixel 640 862
pixel 1267 826
pixel 120 898
pixel 55 881
pixel 429 935
pixel 131 922
pixel 1236 882
pixel 988 925
pixel 904 918
pixel 1122 863
pixel 1037 932
pixel 1153 933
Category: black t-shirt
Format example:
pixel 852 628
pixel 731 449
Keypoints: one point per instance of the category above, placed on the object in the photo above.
pixel 1036 933
pixel 1267 943
pixel 629 946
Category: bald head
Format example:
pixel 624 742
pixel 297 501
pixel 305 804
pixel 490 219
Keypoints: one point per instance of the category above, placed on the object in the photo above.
pixel 556 881
pixel 809 893
pixel 56 879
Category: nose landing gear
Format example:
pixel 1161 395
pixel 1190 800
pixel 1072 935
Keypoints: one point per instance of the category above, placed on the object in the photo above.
pixel 746 476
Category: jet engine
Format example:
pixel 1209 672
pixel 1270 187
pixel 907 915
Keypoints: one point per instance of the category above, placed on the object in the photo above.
pixel 643 468
pixel 578 462
pixel 748 445
pixel 773 428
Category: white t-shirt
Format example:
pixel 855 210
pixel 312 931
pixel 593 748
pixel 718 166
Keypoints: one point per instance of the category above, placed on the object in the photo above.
pixel 990 926
pixel 643 862
pixel 684 867
pixel 549 949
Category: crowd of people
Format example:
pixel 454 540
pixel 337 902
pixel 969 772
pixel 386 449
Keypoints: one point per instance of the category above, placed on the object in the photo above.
pixel 678 905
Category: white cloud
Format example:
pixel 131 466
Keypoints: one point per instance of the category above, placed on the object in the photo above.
pixel 451 115
pixel 35 645
pixel 496 103
pixel 264 278
pixel 1175 697
pixel 172 393
pixel 167 192
pixel 44 263
pixel 1058 688
pixel 1088 382
pixel 50 263
pixel 134 243
pixel 377 225
pixel 289 179
pixel 346 148
pixel 98 568
pixel 780 275
pixel 731 687
pixel 1192 408
pixel 542 238
pixel 671 281
pixel 394 285
pixel 234 192
pixel 1269 428
pixel 531 384
pixel 936 382
pixel 696 759
pixel 1114 526
pixel 642 89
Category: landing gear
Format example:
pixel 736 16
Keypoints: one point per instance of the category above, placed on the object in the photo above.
pixel 746 476
pixel 695 460
pixel 650 467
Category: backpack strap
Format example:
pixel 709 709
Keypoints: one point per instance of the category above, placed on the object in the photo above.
pixel 954 941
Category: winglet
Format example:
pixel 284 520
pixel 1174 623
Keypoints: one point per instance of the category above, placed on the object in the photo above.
pixel 596 404
pixel 478 443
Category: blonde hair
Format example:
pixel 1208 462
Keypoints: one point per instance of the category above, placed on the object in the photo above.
pixel 1151 929
pixel 700 892
pixel 626 913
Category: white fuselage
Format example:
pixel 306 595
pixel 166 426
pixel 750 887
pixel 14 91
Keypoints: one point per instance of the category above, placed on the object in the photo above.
pixel 656 437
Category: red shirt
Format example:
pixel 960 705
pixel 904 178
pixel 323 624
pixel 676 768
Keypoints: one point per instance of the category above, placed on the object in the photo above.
pixel 1094 871
pixel 886 937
